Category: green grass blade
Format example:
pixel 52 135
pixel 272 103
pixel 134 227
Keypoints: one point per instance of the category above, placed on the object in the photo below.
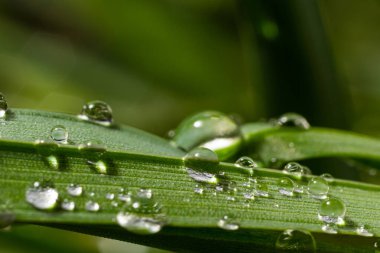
pixel 191 218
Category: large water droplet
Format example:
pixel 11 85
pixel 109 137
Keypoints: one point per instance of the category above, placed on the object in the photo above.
pixel 295 241
pixel 141 213
pixel 286 186
pixel 74 190
pixel 97 111
pixel 201 164
pixel 68 205
pixel 92 206
pixel 294 169
pixel 332 210
pixel 293 119
pixel 318 188
pixel 42 196
pixel 59 134
pixel 228 223
pixel 210 129
pixel 110 196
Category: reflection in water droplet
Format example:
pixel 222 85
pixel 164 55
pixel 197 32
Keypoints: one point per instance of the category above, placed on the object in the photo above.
pixel 97 111
pixel 42 196
pixel 286 186
pixel 318 188
pixel 332 210
pixel 209 129
pixel 59 134
pixel 92 206
pixel 74 190
pixel 68 205
pixel 228 223
pixel 200 163
pixel 295 241
pixel 362 231
pixel 293 119
pixel 3 106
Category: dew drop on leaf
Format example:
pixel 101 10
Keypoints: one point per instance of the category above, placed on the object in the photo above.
pixel 210 129
pixel 293 119
pixel 363 231
pixel 332 210
pixel 59 134
pixel 318 188
pixel 93 151
pixel 329 228
pixel 110 196
pixel 295 241
pixel 328 177
pixel 286 186
pixel 228 223
pixel 42 196
pixel 97 111
pixel 68 205
pixel 92 206
pixel 74 190
pixel 200 163
pixel 294 169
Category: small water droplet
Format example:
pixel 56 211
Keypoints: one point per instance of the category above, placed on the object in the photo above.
pixel 3 106
pixel 59 134
pixel 247 163
pixel 42 196
pixel 200 162
pixel 47 150
pixel 74 190
pixel 261 190
pixel 249 196
pixel 293 119
pixel 294 169
pixel 198 190
pixel 97 111
pixel 171 134
pixel 332 210
pixel 138 224
pixel 68 205
pixel 286 186
pixel 92 206
pixel 94 151
pixel 295 241
pixel 328 177
pixel 329 228
pixel 363 231
pixel 231 198
pixel 228 223
pixel 318 188
pixel 210 129
pixel 110 196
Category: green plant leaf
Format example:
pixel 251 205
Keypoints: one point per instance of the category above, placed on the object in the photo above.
pixel 138 160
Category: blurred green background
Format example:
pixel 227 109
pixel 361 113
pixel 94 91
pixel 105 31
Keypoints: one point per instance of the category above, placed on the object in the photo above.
pixel 157 61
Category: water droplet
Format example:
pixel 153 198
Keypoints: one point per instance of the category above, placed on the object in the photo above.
pixel 228 223
pixel 318 188
pixel 261 190
pixel 74 190
pixel 68 205
pixel 363 231
pixel 59 134
pixel 47 150
pixel 294 169
pixel 249 196
pixel 286 186
pixel 199 163
pixel 125 197
pixel 94 151
pixel 110 196
pixel 295 241
pixel 210 129
pixel 141 214
pixel 3 106
pixel 293 119
pixel 42 196
pixel 332 210
pixel 97 111
pixel 329 228
pixel 247 163
pixel 328 177
pixel 92 206
pixel 138 224
pixel 198 190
